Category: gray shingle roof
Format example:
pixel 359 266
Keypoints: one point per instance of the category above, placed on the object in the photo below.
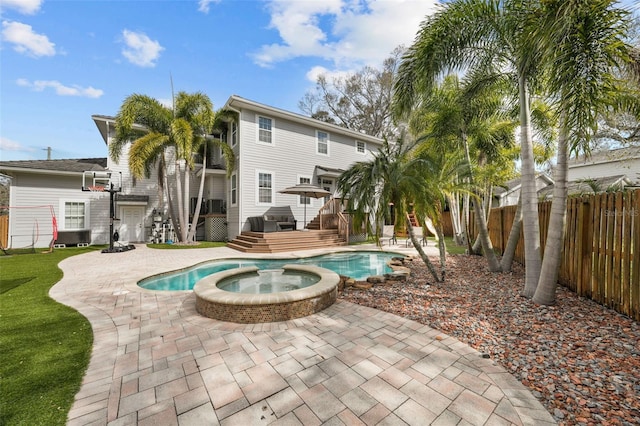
pixel 78 165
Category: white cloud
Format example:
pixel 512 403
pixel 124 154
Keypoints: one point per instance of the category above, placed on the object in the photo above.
pixel 27 7
pixel 61 89
pixel 203 5
pixel 313 74
pixel 25 40
pixel 140 49
pixel 346 32
pixel 9 145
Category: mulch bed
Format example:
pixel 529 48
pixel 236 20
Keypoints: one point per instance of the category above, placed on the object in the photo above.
pixel 581 360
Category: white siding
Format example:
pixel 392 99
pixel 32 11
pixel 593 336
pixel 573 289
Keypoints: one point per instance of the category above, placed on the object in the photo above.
pixel 30 217
pixel 293 154
pixel 629 167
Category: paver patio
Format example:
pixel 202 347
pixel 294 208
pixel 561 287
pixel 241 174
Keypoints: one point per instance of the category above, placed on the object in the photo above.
pixel 155 360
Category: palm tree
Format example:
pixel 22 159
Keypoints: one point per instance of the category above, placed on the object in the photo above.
pixel 478 35
pixel 159 134
pixel 583 41
pixel 391 178
pixel 470 119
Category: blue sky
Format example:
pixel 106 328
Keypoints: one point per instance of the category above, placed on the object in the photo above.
pixel 62 61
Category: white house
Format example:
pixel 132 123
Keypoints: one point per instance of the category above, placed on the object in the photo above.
pixel 274 149
pixel 623 162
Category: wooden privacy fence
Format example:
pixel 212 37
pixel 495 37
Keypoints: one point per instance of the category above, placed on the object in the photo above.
pixel 601 250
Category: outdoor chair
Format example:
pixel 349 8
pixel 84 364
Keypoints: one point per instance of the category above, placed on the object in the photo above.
pixel 419 232
pixel 389 235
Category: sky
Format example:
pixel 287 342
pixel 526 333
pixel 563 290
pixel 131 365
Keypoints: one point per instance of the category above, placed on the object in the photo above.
pixel 62 61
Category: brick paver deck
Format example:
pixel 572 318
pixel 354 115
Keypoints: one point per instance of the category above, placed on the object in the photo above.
pixel 155 361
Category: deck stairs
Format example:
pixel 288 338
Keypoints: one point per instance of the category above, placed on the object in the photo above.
pixel 274 242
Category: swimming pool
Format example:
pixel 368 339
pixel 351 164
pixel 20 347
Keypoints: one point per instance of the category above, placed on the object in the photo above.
pixel 355 264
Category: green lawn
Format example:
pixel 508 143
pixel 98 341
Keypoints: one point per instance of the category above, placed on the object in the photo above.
pixel 45 346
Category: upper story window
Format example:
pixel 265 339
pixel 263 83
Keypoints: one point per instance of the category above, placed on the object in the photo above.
pixel 361 147
pixel 74 215
pixel 322 139
pixel 265 188
pixel 265 130
pixel 234 133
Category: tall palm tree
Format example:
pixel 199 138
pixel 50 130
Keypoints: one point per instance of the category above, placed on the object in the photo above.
pixel 584 44
pixel 158 135
pixel 478 35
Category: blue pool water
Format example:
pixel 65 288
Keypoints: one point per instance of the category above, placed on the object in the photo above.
pixel 268 281
pixel 358 265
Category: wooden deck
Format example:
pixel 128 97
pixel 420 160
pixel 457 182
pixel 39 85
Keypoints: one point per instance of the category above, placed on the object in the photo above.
pixel 274 242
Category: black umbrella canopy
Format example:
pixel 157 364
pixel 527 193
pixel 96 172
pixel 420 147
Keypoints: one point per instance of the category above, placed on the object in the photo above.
pixel 306 190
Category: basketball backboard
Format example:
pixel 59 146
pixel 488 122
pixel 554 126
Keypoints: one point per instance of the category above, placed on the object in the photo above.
pixel 100 181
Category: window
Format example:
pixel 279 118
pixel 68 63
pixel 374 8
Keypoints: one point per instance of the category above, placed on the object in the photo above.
pixel 361 147
pixel 265 188
pixel 234 189
pixel 323 142
pixel 234 133
pixel 304 200
pixel 74 214
pixel 265 130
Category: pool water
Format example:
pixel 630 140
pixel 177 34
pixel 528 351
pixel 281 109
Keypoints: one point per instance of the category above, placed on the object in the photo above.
pixel 268 281
pixel 355 264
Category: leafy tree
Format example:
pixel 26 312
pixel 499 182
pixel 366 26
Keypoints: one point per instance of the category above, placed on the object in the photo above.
pixel 583 42
pixel 480 36
pixel 471 119
pixel 359 101
pixel 159 135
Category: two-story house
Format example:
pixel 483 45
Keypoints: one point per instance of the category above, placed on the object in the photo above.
pixel 274 149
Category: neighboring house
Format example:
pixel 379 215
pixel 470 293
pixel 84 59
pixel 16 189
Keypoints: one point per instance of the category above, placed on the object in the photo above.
pixel 44 189
pixel 622 164
pixel 509 193
pixel 274 149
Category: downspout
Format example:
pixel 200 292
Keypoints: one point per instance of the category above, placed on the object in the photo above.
pixel 227 189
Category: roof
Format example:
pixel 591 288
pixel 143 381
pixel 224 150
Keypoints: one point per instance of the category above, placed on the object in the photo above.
pixel 328 171
pixel 77 165
pixel 609 156
pixel 590 186
pixel 236 102
pixel 513 184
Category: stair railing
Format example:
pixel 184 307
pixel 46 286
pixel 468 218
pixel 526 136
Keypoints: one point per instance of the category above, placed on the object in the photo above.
pixel 332 217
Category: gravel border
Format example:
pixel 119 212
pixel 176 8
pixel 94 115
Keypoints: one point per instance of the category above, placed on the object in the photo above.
pixel 580 359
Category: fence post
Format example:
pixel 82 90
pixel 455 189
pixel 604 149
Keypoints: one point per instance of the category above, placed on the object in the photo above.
pixel 585 241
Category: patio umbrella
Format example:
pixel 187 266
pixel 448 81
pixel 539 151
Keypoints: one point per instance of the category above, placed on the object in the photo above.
pixel 306 190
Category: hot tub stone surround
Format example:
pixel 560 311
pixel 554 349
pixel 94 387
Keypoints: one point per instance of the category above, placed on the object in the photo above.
pixel 259 308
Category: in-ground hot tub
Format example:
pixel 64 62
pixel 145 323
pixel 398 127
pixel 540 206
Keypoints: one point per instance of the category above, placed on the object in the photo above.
pixel 295 292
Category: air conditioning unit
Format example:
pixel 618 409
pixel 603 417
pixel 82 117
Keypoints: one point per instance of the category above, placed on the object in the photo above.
pixel 192 207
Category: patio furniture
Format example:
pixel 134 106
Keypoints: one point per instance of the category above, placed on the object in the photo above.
pixel 280 219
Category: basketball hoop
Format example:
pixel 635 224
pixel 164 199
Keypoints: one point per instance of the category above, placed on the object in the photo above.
pixel 95 188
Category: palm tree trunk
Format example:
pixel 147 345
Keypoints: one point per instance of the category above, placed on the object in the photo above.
pixel 179 188
pixel 546 291
pixel 483 234
pixel 186 205
pixel 196 214
pixel 514 237
pixel 442 249
pixel 418 246
pixel 530 221
pixel 454 213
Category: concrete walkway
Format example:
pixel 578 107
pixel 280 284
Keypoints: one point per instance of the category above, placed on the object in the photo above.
pixel 155 361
